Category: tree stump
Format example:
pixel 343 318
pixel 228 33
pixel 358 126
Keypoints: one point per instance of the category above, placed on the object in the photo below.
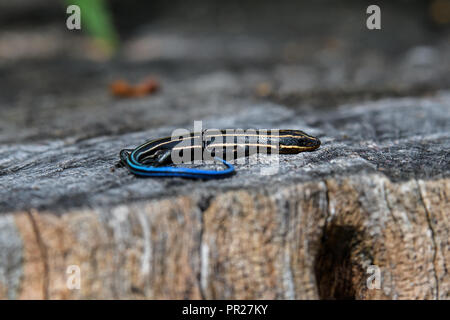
pixel 372 201
pixel 375 194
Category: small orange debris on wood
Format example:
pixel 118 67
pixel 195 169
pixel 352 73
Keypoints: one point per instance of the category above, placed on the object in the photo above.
pixel 123 89
pixel 146 87
pixel 120 88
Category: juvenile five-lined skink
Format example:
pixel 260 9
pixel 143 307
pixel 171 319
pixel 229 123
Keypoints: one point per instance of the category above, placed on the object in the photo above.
pixel 154 157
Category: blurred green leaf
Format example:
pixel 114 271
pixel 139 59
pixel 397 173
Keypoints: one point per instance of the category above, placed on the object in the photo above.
pixel 97 22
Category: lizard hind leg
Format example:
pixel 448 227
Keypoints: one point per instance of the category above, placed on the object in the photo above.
pixel 164 158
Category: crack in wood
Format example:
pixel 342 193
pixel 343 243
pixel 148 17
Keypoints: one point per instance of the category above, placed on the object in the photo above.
pixel 43 253
pixel 433 237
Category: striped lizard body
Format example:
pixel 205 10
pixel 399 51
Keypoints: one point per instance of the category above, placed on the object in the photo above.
pixel 153 157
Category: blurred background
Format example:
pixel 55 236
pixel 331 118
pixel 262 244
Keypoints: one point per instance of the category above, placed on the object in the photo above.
pixel 202 57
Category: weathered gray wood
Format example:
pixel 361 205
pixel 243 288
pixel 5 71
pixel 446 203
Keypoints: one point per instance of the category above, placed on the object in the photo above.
pixel 375 194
